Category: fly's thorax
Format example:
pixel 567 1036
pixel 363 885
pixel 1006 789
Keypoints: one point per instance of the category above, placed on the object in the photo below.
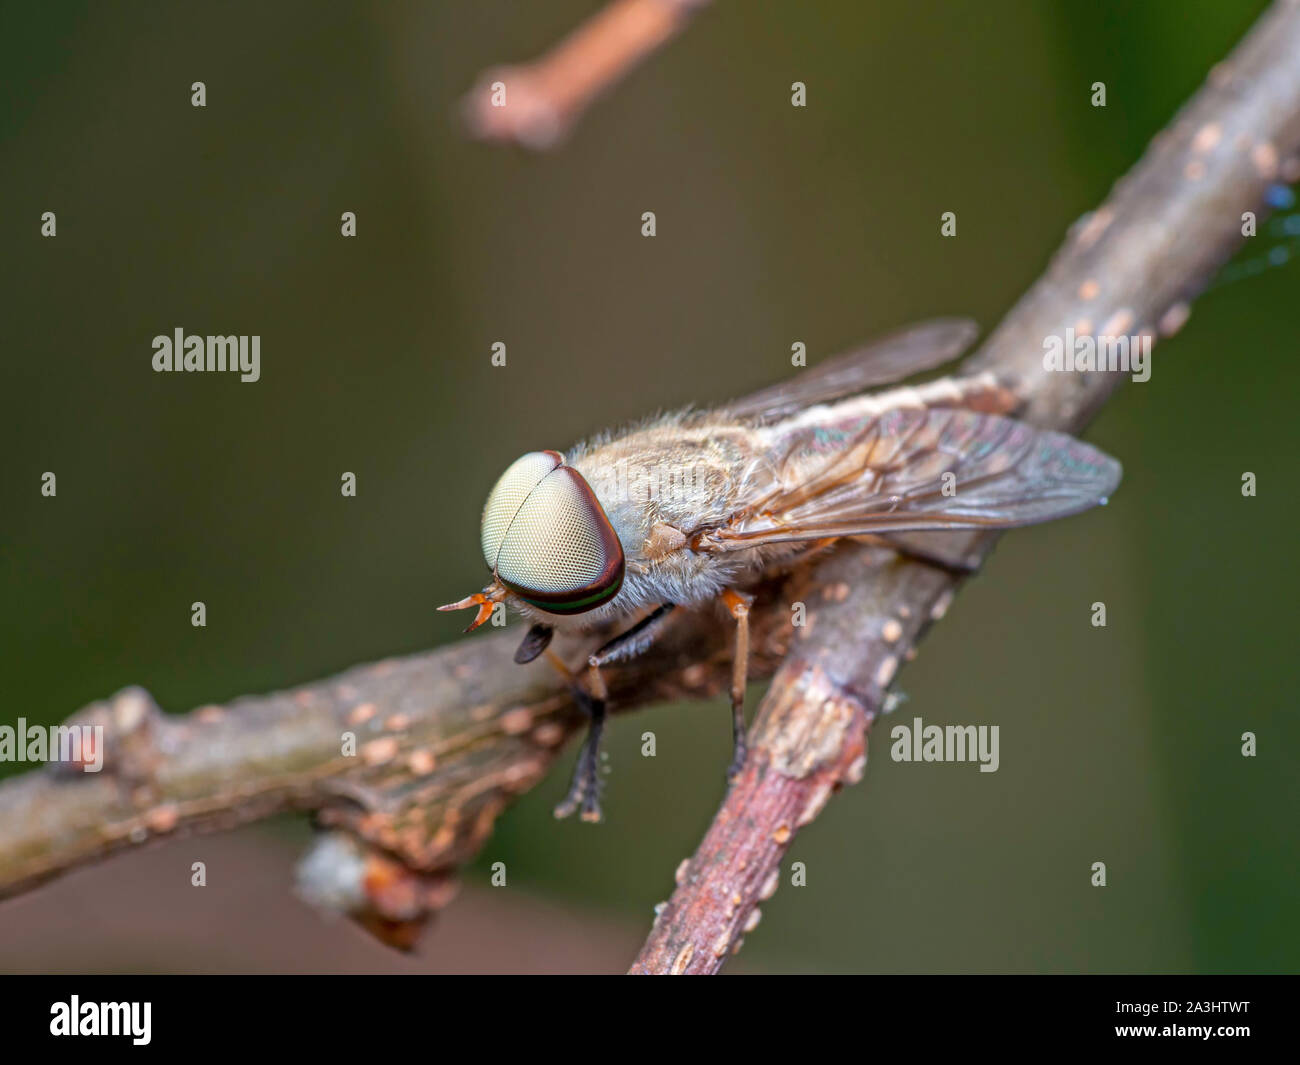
pixel 685 477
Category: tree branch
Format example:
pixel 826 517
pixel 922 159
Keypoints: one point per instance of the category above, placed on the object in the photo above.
pixel 1130 267
pixel 444 741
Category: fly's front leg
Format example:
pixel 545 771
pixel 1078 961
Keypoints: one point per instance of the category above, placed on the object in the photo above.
pixel 738 605
pixel 584 792
pixel 534 643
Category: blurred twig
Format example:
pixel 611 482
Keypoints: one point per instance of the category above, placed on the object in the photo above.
pixel 536 104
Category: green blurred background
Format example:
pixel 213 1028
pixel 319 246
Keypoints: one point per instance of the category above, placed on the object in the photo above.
pixel 775 224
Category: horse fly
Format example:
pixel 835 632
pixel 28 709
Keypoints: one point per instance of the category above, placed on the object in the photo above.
pixel 691 508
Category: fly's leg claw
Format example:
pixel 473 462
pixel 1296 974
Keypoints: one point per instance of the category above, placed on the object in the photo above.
pixel 584 792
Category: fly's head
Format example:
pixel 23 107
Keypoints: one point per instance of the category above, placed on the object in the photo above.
pixel 548 542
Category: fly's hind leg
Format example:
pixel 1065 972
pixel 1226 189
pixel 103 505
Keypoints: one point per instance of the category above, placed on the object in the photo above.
pixel 584 792
pixel 738 605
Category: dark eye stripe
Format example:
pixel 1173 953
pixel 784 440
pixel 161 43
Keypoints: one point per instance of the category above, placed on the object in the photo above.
pixel 577 606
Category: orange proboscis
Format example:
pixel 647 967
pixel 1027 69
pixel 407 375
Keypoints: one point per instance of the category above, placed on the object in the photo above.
pixel 484 600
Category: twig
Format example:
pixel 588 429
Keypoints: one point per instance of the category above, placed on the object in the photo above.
pixel 808 738
pixel 1131 267
pixel 536 104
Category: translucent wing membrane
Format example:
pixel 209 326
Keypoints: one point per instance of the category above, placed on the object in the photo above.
pixel 915 469
pixel 909 351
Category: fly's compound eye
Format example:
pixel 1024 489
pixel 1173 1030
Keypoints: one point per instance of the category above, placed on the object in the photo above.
pixel 508 495
pixel 560 553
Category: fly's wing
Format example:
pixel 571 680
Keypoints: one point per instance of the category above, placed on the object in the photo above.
pixel 912 469
pixel 909 351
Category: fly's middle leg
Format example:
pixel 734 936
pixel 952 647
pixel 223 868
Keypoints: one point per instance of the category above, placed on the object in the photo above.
pixel 584 791
pixel 738 605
